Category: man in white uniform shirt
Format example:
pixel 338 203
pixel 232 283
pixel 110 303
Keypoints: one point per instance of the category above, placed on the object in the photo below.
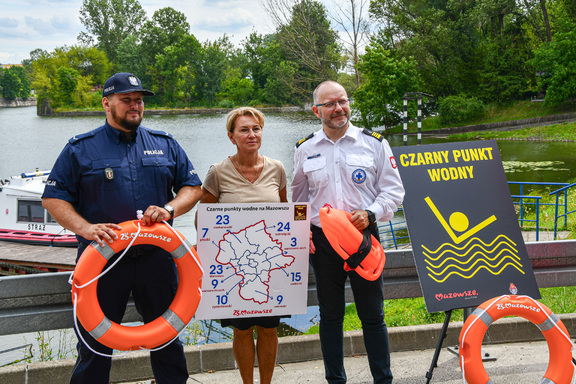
pixel 354 170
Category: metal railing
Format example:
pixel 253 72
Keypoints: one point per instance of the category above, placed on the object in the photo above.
pixel 565 206
pixel 393 232
pixel 520 201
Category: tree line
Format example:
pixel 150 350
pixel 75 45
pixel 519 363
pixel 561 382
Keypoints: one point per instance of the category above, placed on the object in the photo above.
pixel 466 53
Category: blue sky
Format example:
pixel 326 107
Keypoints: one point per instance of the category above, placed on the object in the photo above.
pixel 29 24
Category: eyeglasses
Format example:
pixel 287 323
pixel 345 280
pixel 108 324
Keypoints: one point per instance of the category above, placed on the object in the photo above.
pixel 332 104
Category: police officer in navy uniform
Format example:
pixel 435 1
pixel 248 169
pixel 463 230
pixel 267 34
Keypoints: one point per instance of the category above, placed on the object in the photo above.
pixel 102 178
pixel 353 170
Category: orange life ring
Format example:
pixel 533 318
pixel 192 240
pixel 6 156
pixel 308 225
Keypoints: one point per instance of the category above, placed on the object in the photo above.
pixel 347 240
pixel 560 367
pixel 158 331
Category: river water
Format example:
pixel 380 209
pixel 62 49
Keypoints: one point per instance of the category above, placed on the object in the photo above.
pixel 30 142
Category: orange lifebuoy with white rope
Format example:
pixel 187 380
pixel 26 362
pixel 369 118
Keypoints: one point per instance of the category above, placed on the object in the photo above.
pixel 173 320
pixel 361 251
pixel 560 367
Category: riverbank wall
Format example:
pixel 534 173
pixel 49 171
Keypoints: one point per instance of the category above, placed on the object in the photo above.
pixel 169 112
pixel 507 125
pixel 18 102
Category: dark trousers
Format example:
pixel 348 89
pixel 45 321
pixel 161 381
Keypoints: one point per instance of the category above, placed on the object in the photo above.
pixel 152 278
pixel 330 279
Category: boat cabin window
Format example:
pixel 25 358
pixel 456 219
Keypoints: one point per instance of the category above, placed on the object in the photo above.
pixel 30 211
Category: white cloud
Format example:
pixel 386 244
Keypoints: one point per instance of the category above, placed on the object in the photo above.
pixel 26 25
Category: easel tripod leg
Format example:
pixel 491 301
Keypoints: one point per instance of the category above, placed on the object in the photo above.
pixel 443 334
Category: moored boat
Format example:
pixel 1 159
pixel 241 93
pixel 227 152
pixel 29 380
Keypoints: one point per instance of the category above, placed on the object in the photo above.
pixel 22 217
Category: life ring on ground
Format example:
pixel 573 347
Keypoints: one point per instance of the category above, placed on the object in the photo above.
pixel 163 328
pixel 361 251
pixel 560 367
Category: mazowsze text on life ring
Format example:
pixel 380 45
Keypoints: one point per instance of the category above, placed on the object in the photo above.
pixel 158 331
pixel 361 251
pixel 560 367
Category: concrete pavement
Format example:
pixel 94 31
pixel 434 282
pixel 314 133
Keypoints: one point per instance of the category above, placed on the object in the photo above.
pixel 521 357
pixel 516 363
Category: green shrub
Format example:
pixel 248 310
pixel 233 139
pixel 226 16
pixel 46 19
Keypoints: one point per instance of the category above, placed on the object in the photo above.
pixel 226 104
pixel 460 108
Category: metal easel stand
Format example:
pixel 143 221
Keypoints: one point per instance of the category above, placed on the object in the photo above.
pixel 455 349
pixel 467 311
pixel 439 345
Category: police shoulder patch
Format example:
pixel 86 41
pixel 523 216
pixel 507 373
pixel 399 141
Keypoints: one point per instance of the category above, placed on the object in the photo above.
pixel 375 135
pixel 299 143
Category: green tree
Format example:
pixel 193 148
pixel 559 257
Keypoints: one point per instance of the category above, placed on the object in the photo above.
pixel 307 41
pixel 506 74
pixel 271 73
pixel 162 53
pixel 168 75
pixel 237 90
pixel 109 22
pixel 387 79
pixel 10 84
pixel 54 74
pixel 67 80
pixel 555 63
pixel 167 27
pixel 129 57
pixel 89 62
pixel 191 52
pixel 440 35
pixel 14 83
pixel 210 70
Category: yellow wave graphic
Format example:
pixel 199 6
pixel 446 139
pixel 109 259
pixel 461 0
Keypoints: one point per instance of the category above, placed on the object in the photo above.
pixel 481 245
pixel 475 272
pixel 473 256
pixel 505 246
pixel 493 266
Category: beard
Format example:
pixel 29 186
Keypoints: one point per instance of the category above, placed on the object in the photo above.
pixel 330 123
pixel 130 125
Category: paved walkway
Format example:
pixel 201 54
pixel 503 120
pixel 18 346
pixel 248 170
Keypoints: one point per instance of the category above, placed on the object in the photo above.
pixel 516 363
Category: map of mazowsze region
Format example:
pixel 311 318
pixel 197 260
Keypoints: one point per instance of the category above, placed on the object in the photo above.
pixel 255 259
pixel 253 254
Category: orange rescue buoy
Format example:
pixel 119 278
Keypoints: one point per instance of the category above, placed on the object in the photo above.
pixel 361 251
pixel 164 328
pixel 560 367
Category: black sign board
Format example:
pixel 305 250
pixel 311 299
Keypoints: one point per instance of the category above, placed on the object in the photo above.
pixel 465 236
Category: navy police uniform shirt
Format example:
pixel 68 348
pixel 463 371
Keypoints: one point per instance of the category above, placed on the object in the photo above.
pixel 108 178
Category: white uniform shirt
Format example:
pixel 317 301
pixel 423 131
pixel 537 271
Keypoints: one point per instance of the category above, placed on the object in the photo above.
pixel 356 172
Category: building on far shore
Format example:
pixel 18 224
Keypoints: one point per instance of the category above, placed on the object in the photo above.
pixel 6 66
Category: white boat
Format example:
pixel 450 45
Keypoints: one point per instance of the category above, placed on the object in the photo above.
pixel 22 217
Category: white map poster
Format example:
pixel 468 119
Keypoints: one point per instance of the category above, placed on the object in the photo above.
pixel 255 259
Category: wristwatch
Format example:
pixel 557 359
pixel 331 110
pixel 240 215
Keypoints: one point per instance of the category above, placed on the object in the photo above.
pixel 170 210
pixel 371 217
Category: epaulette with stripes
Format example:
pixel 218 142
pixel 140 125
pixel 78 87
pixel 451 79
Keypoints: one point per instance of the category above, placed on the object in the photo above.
pixel 375 135
pixel 299 143
pixel 82 136
pixel 159 133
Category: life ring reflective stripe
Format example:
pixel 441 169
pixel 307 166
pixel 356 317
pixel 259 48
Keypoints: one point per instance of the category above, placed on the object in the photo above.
pixel 560 367
pixel 163 328
pixel 347 241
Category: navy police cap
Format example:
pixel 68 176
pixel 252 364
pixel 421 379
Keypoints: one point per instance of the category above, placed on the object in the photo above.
pixel 124 83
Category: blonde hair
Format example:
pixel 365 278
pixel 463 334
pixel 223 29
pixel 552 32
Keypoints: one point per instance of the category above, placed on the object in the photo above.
pixel 243 111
